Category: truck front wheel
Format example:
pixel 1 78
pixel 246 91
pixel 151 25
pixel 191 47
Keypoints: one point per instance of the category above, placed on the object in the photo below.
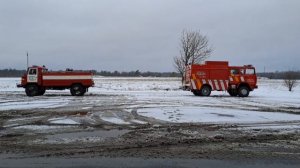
pixel 77 90
pixel 243 91
pixel 42 91
pixel 232 92
pixel 32 90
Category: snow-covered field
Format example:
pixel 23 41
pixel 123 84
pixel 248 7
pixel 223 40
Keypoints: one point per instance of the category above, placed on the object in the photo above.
pixel 157 99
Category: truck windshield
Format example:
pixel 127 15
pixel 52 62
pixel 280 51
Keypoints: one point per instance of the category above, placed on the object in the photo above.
pixel 250 71
pixel 32 72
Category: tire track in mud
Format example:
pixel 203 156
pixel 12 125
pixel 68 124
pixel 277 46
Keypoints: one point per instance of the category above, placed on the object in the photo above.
pixel 157 138
pixel 151 102
pixel 87 111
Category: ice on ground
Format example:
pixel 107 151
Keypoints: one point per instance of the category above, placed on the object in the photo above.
pixel 32 104
pixel 39 127
pixel 160 98
pixel 138 122
pixel 23 119
pixel 63 120
pixel 214 115
pixel 114 120
pixel 86 108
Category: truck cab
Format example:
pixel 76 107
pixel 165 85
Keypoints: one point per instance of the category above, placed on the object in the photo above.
pixel 38 79
pixel 242 80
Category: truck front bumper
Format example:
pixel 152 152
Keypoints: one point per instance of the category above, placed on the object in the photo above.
pixel 19 85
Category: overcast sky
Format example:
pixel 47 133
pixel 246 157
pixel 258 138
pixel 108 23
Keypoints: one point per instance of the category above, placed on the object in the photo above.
pixel 144 35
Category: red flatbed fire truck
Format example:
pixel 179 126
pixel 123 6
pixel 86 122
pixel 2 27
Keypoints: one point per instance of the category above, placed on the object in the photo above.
pixel 201 79
pixel 38 79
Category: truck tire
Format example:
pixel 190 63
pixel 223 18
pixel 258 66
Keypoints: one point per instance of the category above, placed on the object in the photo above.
pixel 32 90
pixel 77 90
pixel 205 90
pixel 232 92
pixel 243 91
pixel 196 92
pixel 42 91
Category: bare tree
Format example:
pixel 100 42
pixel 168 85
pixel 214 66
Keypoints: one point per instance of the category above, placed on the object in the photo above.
pixel 290 80
pixel 180 66
pixel 194 49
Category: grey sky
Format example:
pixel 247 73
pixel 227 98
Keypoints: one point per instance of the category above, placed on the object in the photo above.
pixel 144 34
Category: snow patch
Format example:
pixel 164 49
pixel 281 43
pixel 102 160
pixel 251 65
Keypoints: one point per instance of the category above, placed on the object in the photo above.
pixel 39 127
pixel 114 120
pixel 65 121
pixel 31 104
pixel 138 122
pixel 214 115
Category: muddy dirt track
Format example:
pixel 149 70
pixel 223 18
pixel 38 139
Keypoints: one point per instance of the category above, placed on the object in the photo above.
pixel 29 132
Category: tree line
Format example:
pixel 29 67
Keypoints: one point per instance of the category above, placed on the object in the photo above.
pixel 11 73
pixel 280 75
pixel 137 73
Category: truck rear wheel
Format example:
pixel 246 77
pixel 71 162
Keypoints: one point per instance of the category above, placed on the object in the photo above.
pixel 77 90
pixel 32 90
pixel 205 91
pixel 243 91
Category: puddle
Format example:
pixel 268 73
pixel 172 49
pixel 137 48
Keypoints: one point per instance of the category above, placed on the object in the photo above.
pixel 102 134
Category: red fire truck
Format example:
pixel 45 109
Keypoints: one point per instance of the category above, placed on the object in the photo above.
pixel 201 79
pixel 38 79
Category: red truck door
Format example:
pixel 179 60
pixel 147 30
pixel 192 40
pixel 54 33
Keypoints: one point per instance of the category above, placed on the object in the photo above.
pixel 32 76
pixel 250 77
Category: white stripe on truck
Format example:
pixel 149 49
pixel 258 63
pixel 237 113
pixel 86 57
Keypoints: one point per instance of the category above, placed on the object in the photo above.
pixel 227 82
pixel 216 84
pixel 67 77
pixel 193 84
pixel 222 84
pixel 210 83
pixel 242 79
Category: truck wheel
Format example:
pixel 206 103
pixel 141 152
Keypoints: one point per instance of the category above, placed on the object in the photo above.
pixel 32 90
pixel 205 91
pixel 243 91
pixel 232 92
pixel 196 92
pixel 42 91
pixel 77 90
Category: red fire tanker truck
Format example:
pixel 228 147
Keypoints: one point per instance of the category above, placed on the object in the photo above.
pixel 38 79
pixel 201 79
